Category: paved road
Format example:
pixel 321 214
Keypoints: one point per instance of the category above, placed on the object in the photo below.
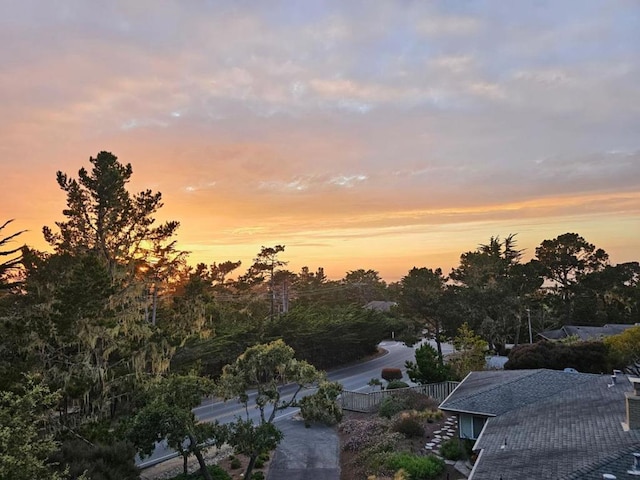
pixel 353 377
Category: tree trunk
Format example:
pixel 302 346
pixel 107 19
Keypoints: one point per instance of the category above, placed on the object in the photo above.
pixel 438 343
pixel 203 466
pixel 252 462
pixel 185 467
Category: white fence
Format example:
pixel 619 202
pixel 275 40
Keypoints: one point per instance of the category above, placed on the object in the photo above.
pixel 368 402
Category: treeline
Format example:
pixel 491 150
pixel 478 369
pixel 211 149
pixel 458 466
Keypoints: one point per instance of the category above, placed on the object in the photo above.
pixel 115 304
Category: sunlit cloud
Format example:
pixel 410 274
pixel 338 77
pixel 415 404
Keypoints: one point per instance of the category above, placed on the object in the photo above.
pixel 347 180
pixel 404 122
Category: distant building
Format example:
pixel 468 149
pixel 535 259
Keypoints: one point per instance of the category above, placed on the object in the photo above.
pixel 585 333
pixel 548 424
pixel 381 305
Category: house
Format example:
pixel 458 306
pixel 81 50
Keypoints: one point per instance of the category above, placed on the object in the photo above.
pixel 547 424
pixel 380 305
pixel 585 333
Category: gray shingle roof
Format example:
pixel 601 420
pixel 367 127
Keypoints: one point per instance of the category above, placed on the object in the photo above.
pixel 555 424
pixel 494 393
pixel 586 332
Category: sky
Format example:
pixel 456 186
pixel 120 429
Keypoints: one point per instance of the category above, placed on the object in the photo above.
pixel 376 135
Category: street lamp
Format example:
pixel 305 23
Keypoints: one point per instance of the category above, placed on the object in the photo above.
pixel 529 319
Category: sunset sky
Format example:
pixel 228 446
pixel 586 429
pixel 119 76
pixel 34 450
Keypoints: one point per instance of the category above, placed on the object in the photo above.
pixel 359 134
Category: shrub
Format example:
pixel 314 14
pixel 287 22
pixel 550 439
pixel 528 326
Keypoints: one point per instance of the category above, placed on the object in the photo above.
pixel 417 467
pixel 257 476
pixel 235 462
pixel 101 462
pixel 405 400
pixel 419 401
pixel 261 460
pixel 587 357
pixel 391 374
pixel 452 449
pixel 408 423
pixel 322 406
pixel 391 405
pixel 363 433
pixel 394 384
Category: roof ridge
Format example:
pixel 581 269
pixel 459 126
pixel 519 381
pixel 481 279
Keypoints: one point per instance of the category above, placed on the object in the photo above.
pixel 492 387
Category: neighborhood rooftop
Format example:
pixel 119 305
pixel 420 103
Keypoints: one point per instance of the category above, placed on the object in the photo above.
pixel 547 424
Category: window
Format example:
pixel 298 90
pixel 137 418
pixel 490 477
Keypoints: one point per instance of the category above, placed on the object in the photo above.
pixel 470 426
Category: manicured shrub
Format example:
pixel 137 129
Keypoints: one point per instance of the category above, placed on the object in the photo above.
pixel 395 384
pixel 418 467
pixel 452 449
pixel 257 476
pixel 391 374
pixel 408 423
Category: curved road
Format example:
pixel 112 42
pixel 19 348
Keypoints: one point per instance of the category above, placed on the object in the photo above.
pixel 353 377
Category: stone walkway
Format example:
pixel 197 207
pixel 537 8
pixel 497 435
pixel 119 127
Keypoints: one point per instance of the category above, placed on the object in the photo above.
pixel 447 432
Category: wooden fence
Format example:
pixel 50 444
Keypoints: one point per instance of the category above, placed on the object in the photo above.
pixel 368 402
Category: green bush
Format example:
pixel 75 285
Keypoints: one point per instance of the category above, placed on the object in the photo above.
pixel 235 463
pixel 259 462
pixel 394 384
pixel 322 406
pixel 257 476
pixel 418 467
pixel 452 449
pixel 586 357
pixel 100 461
pixel 391 405
pixel 408 424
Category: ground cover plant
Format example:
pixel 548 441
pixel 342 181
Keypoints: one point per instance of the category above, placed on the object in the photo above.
pixel 379 445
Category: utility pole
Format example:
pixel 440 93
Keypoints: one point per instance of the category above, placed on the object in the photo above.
pixel 529 319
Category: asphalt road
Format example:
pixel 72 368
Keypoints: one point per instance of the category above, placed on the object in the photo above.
pixel 353 377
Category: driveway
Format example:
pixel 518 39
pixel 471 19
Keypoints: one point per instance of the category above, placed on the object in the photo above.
pixel 306 453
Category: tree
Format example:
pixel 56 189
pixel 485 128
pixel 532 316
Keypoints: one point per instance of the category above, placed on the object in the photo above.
pixel 569 256
pixel 364 286
pixel 493 290
pixel 420 295
pixel 427 368
pixel 566 260
pixel 624 350
pixel 102 216
pixel 168 415
pixel 609 295
pixel 86 301
pixel 264 266
pixel 265 368
pixel 24 447
pixel 13 258
pixel 470 352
